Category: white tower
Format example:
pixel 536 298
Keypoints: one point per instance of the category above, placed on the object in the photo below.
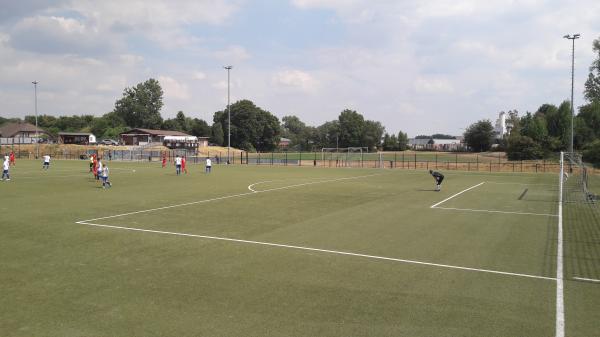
pixel 501 124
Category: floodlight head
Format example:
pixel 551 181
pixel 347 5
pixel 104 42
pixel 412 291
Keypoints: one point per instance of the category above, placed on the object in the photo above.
pixel 228 67
pixel 576 36
pixel 567 36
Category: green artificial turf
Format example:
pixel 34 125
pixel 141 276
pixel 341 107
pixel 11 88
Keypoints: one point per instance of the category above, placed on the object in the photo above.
pixel 156 254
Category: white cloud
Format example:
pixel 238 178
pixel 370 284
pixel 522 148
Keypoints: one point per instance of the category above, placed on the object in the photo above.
pixel 433 85
pixel 198 75
pixel 57 35
pixel 174 89
pixel 296 79
pixel 232 54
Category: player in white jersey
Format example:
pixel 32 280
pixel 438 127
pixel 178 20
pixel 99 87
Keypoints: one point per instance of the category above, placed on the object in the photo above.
pixel 178 165
pixel 5 168
pixel 46 164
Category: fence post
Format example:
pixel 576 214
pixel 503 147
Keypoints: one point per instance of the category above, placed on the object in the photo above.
pixel 490 166
pixel 477 158
pixel 300 159
pixel 415 160
pixel 272 157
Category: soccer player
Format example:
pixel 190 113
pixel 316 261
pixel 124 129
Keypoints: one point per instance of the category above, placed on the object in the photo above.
pixel 208 165
pixel 92 163
pixel 46 165
pixel 164 160
pixel 178 165
pixel 5 167
pixel 183 165
pixel 95 167
pixel 12 158
pixel 99 170
pixel 105 181
pixel 438 177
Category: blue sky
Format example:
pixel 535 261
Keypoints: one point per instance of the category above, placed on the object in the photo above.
pixel 420 67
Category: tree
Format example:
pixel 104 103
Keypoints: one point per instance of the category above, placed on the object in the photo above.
pixel 583 133
pixel 402 141
pixel 387 144
pixel 592 85
pixel 327 134
pixel 442 136
pixel 217 136
pixel 590 113
pixel 591 153
pixel 534 127
pixel 564 123
pixel 523 148
pixel 140 105
pixel 294 129
pixel 252 128
pixel 351 128
pixel 292 125
pixel 200 128
pixel 480 136
pixel 372 133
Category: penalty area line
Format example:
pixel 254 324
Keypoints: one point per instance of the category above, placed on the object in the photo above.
pixel 337 252
pixel 493 211
pixel 457 194
pixel 586 279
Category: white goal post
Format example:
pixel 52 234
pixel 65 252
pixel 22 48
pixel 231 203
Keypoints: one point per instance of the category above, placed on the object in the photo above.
pixel 343 155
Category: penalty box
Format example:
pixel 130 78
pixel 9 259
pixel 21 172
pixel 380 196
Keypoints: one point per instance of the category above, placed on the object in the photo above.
pixel 508 198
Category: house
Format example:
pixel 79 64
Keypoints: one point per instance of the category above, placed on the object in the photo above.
pixel 20 133
pixel 434 144
pixel 284 143
pixel 140 136
pixel 185 142
pixel 419 143
pixel 168 138
pixel 79 138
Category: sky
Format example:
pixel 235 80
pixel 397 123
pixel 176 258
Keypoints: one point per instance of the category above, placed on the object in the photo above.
pixel 416 66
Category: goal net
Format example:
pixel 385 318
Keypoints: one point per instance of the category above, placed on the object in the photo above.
pixel 575 179
pixel 343 157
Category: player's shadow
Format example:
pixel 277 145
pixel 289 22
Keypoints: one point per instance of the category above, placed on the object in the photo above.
pixel 422 190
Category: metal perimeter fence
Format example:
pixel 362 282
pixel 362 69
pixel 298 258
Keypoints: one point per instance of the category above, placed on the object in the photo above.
pixel 403 160
pixel 415 160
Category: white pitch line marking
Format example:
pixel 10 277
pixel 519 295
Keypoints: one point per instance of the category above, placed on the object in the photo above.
pixel 228 197
pixel 457 194
pixel 586 279
pixel 560 302
pixel 493 211
pixel 524 184
pixel 322 251
pixel 260 182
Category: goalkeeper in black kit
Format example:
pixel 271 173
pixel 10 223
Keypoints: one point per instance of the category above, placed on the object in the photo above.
pixel 438 179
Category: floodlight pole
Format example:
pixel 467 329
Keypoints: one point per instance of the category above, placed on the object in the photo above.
pixel 572 38
pixel 228 113
pixel 37 142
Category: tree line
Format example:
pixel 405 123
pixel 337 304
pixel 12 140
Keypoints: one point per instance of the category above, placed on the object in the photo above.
pixel 252 128
pixel 548 130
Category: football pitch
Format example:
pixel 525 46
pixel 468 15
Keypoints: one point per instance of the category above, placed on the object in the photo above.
pixel 293 251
